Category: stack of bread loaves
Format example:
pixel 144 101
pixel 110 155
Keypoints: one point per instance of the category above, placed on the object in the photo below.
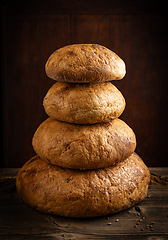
pixel 86 165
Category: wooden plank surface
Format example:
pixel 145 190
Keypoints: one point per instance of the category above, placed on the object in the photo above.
pixel 146 220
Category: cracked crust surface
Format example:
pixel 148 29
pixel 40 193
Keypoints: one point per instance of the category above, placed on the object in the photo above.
pixel 84 103
pixel 77 193
pixel 84 146
pixel 82 63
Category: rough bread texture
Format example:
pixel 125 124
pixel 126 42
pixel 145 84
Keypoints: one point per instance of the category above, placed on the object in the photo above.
pixel 83 63
pixel 84 146
pixel 77 193
pixel 84 103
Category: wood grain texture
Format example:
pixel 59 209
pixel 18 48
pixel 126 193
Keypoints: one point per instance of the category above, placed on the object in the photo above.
pixel 19 221
pixel 136 32
pixel 140 42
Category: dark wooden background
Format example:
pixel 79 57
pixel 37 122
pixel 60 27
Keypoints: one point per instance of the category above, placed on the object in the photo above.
pixel 135 30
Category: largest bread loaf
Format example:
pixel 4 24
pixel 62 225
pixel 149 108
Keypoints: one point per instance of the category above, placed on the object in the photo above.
pixel 75 193
pixel 84 146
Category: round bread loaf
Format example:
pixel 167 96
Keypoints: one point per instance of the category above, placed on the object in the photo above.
pixel 82 63
pixel 76 193
pixel 84 103
pixel 84 146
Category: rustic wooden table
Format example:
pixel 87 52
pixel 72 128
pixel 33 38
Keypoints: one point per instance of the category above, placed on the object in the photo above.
pixel 146 220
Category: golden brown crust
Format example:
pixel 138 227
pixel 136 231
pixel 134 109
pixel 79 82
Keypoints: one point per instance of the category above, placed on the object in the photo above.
pixel 82 63
pixel 84 146
pixel 77 193
pixel 84 103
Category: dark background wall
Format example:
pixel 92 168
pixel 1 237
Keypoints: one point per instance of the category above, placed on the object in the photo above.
pixel 135 30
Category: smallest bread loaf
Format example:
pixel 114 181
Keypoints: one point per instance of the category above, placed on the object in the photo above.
pixel 84 103
pixel 83 63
